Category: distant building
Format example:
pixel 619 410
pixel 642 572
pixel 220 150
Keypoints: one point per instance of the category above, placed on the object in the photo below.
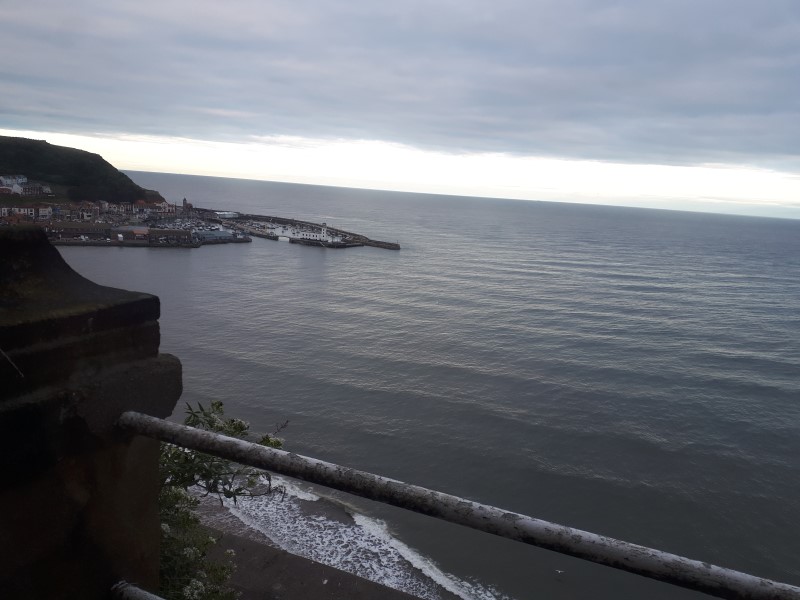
pixel 9 180
pixel 164 207
pixel 294 232
pixel 187 207
pixel 27 211
pixel 170 236
pixel 71 230
pixel 133 232
pixel 210 237
pixel 43 211
pixel 86 211
pixel 141 207
pixel 32 189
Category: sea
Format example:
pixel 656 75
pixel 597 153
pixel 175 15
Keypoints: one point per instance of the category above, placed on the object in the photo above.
pixel 630 372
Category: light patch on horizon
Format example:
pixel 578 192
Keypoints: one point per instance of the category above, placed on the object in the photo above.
pixel 222 112
pixel 390 166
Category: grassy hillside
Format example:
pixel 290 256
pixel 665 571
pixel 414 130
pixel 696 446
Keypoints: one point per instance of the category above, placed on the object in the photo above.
pixel 75 174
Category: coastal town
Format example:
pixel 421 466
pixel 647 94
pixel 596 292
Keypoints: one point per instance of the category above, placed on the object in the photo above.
pixel 143 222
pixel 154 222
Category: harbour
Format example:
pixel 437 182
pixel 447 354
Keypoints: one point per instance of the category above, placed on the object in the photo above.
pixel 174 233
pixel 296 231
pixel 203 227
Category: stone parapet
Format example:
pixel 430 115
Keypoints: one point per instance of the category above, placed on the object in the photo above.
pixel 78 500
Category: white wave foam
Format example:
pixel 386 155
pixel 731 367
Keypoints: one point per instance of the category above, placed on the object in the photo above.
pixel 327 532
pixel 293 489
pixel 454 585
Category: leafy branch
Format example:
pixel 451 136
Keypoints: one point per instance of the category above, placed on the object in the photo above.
pixel 186 572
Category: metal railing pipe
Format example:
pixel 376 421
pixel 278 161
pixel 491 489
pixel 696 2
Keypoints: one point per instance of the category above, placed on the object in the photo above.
pixel 648 562
pixel 127 591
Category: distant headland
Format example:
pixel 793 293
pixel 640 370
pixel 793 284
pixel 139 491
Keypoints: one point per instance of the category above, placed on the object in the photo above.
pixel 68 174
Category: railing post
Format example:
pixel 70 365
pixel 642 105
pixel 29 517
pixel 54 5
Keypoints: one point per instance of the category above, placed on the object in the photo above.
pixel 78 504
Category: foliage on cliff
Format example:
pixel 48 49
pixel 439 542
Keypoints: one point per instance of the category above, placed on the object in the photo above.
pixel 186 572
pixel 83 175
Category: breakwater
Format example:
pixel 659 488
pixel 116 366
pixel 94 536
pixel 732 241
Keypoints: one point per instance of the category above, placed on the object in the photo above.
pixel 263 226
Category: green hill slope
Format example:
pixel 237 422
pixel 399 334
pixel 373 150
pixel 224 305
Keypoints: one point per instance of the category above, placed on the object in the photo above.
pixel 80 175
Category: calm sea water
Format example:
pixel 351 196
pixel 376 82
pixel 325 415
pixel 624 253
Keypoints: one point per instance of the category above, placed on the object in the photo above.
pixel 629 372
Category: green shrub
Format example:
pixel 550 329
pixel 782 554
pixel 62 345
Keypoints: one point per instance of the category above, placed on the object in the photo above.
pixel 186 571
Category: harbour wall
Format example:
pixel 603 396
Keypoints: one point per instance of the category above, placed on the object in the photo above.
pixel 349 238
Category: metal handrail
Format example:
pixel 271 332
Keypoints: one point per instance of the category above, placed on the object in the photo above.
pixel 648 562
pixel 123 590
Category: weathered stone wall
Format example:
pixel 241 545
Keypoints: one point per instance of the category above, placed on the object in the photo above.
pixel 78 508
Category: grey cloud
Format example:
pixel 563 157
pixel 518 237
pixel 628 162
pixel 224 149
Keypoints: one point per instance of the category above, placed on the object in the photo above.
pixel 663 81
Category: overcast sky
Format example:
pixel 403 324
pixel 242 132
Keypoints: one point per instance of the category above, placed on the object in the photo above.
pixel 529 98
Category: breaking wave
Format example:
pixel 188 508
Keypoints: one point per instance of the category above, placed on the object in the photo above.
pixel 328 532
